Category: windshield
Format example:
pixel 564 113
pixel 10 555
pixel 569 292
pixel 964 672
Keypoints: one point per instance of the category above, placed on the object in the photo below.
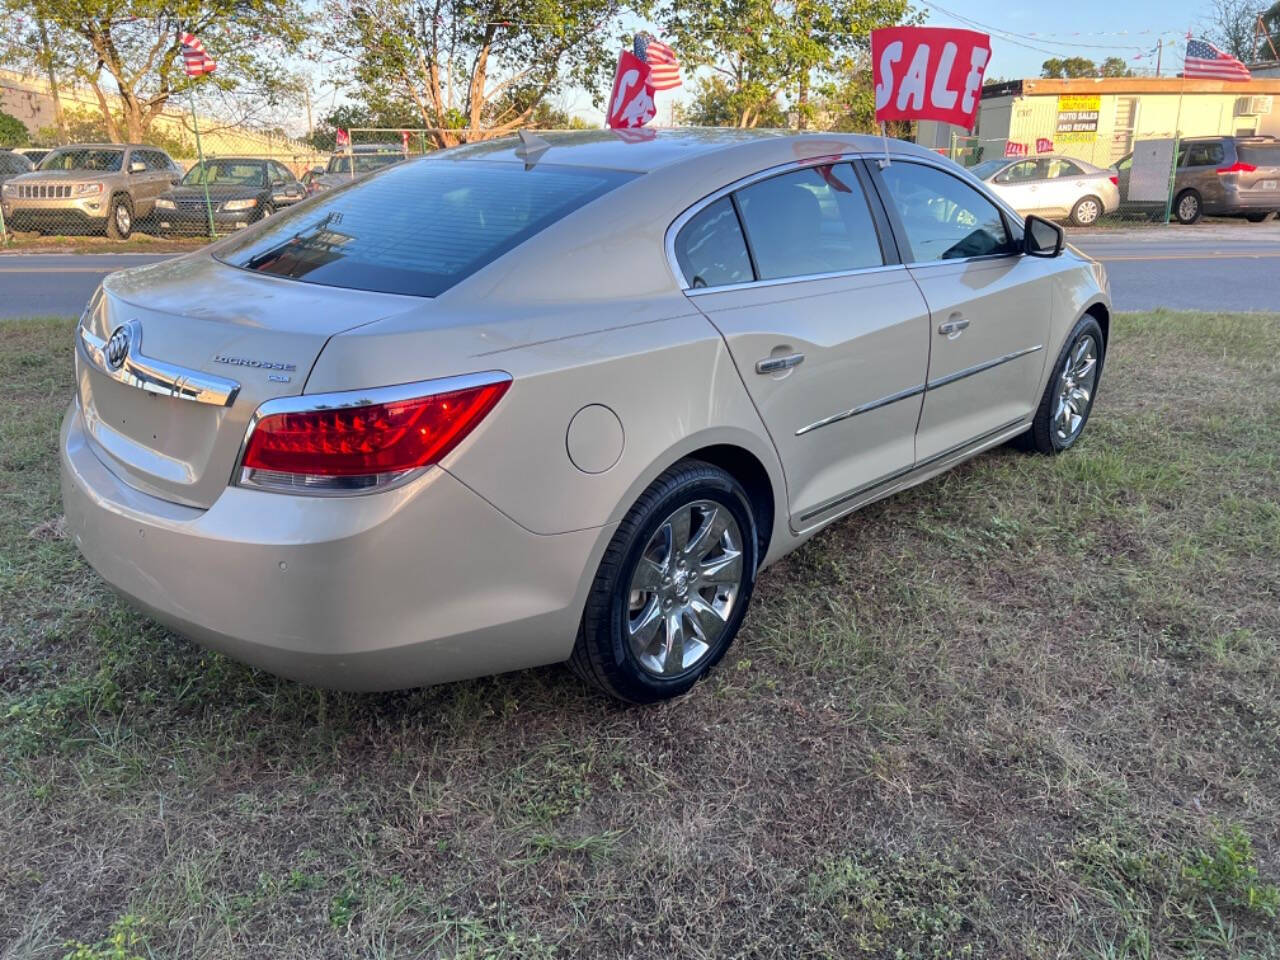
pixel 987 168
pixel 240 173
pixel 420 227
pixel 79 158
pixel 364 162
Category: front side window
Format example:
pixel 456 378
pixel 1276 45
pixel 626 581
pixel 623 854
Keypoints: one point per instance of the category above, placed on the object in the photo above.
pixel 420 227
pixel 711 250
pixel 811 221
pixel 944 218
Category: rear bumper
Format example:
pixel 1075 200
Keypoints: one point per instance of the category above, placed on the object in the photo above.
pixel 422 584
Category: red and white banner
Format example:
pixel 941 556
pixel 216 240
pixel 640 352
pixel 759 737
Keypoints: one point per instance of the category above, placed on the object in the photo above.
pixel 929 73
pixel 1012 149
pixel 341 139
pixel 1044 145
pixel 404 140
pixel 631 103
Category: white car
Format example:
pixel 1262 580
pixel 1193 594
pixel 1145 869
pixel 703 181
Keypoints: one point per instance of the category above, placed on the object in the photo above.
pixel 1062 188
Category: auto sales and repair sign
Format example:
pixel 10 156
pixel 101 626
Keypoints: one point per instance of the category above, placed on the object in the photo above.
pixel 1077 119
pixel 929 73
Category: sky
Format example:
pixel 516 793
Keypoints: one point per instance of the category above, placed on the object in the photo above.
pixel 1024 35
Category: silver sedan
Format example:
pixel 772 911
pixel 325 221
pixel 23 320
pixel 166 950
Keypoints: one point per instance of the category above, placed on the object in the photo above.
pixel 532 401
pixel 1064 188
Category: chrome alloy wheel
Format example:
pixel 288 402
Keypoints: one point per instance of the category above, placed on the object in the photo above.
pixel 1087 211
pixel 124 220
pixel 1076 381
pixel 684 588
pixel 1188 208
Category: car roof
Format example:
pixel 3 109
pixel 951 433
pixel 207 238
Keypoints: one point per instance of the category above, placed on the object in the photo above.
pixel 618 150
pixel 107 146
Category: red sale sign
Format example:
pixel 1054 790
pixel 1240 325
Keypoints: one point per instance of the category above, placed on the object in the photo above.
pixel 1044 145
pixel 1012 149
pixel 929 73
pixel 631 103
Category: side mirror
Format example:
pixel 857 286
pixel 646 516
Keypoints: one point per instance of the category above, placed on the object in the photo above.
pixel 137 166
pixel 1042 238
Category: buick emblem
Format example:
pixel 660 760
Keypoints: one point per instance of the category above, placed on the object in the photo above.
pixel 117 348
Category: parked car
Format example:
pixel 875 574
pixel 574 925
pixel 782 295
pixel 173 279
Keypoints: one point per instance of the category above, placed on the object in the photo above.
pixel 1063 188
pixel 93 187
pixel 12 164
pixel 514 404
pixel 1220 176
pixel 34 154
pixel 352 163
pixel 241 191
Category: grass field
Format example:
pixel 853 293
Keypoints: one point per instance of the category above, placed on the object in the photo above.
pixel 1029 709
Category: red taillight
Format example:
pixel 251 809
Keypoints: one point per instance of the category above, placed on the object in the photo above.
pixel 1238 167
pixel 372 442
pixel 1115 180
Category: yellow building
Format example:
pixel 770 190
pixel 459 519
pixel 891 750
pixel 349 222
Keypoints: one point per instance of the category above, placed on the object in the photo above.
pixel 1098 118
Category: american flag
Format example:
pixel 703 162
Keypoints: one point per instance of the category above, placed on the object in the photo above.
pixel 1206 60
pixel 664 69
pixel 194 57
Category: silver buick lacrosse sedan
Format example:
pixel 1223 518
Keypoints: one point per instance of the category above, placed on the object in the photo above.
pixel 536 400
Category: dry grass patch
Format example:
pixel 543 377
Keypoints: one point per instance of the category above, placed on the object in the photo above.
pixel 1028 709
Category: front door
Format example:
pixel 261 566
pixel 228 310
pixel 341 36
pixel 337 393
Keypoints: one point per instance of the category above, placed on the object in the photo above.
pixel 1022 185
pixel 829 333
pixel 988 304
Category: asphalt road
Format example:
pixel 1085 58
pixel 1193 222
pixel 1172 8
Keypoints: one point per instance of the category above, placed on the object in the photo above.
pixel 1215 266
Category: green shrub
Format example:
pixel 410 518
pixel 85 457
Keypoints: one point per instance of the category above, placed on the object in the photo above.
pixel 13 132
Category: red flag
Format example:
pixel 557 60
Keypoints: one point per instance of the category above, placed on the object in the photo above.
pixel 1012 149
pixel 1044 145
pixel 404 139
pixel 195 60
pixel 341 139
pixel 631 103
pixel 929 73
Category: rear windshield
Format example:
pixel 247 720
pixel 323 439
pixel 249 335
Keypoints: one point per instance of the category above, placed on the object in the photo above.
pixel 418 228
pixel 364 162
pixel 1259 154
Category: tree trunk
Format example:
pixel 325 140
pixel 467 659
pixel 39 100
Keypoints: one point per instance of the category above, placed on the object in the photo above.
pixel 802 102
pixel 108 118
pixel 46 54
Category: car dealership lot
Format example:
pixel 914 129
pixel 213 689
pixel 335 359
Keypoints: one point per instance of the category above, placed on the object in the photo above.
pixel 1033 713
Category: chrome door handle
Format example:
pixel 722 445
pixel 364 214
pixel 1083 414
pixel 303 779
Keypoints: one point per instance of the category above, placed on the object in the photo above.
pixel 952 328
pixel 774 364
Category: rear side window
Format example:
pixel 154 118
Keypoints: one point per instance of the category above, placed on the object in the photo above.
pixel 811 221
pixel 1063 168
pixel 711 250
pixel 418 228
pixel 1205 154
pixel 944 218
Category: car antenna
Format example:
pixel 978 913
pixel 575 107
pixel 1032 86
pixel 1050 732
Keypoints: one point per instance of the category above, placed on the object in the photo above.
pixel 531 148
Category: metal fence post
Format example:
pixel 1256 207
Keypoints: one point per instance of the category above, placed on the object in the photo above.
pixel 204 171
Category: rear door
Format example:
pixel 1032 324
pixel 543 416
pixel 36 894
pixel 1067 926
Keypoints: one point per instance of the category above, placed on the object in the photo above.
pixel 828 331
pixel 988 303
pixel 1200 172
pixel 1064 184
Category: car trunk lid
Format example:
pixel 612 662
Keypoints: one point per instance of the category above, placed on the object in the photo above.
pixel 207 344
pixel 1264 178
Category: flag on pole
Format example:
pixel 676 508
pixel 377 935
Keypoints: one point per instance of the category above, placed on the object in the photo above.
pixel 341 139
pixel 1206 60
pixel 664 68
pixel 194 57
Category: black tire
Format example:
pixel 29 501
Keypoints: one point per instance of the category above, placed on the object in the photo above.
pixel 120 218
pixel 1043 437
pixel 1257 217
pixel 1086 211
pixel 267 210
pixel 1187 207
pixel 602 654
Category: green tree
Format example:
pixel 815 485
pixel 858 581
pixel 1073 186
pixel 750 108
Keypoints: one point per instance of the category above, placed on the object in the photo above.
pixel 464 66
pixel 128 51
pixel 714 103
pixel 1115 67
pixel 13 132
pixel 1056 68
pixel 765 50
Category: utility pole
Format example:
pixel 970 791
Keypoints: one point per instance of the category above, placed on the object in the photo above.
pixel 306 90
pixel 1159 54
